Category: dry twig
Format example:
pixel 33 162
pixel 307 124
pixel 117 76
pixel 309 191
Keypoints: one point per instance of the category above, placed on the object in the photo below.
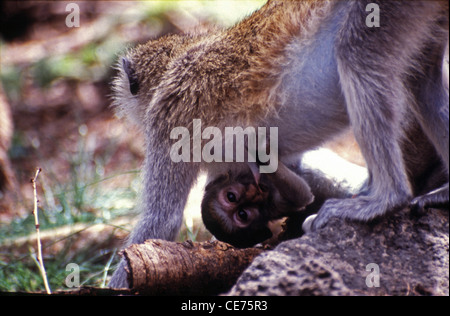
pixel 38 236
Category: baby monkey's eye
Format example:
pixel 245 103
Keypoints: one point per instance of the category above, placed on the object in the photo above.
pixel 231 197
pixel 243 215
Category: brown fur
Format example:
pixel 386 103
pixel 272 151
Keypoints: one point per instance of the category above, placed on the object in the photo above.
pixel 240 68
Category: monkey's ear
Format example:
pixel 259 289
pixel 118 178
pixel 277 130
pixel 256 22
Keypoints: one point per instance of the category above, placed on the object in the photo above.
pixel 131 74
pixel 255 171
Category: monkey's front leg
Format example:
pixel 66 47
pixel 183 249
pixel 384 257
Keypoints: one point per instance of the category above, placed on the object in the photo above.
pixel 166 186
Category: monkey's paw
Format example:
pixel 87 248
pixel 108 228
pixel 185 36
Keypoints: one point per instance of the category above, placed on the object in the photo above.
pixel 361 208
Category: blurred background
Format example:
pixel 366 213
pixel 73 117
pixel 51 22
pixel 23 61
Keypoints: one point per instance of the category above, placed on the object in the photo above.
pixel 54 114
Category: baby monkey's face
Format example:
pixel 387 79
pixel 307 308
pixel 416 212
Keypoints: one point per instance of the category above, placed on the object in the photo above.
pixel 237 206
pixel 234 209
pixel 241 200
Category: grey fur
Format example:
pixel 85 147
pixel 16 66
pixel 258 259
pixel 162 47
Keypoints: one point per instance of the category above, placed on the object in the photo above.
pixel 372 75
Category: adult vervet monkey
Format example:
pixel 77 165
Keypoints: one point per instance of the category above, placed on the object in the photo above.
pixel 310 68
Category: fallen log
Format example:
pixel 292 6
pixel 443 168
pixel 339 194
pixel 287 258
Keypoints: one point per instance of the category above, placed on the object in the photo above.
pixel 160 267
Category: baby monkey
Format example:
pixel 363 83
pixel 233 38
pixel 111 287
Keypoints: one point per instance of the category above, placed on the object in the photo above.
pixel 239 203
pixel 237 206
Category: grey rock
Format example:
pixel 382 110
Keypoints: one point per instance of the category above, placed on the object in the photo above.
pixel 412 255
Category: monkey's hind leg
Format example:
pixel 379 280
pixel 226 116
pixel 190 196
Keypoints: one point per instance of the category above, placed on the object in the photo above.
pixel 431 90
pixel 371 65
pixel 371 80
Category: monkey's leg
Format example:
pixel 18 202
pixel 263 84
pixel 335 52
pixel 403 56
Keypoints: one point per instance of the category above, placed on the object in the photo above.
pixel 164 182
pixel 389 187
pixel 166 186
pixel 371 79
pixel 119 278
pixel 432 110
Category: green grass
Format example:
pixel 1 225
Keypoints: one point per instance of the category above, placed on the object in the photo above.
pixel 87 197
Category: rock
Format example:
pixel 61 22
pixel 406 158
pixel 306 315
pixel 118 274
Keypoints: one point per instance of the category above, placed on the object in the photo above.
pixel 411 255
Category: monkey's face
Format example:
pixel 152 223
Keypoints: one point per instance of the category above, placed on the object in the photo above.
pixel 240 203
pixel 233 210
